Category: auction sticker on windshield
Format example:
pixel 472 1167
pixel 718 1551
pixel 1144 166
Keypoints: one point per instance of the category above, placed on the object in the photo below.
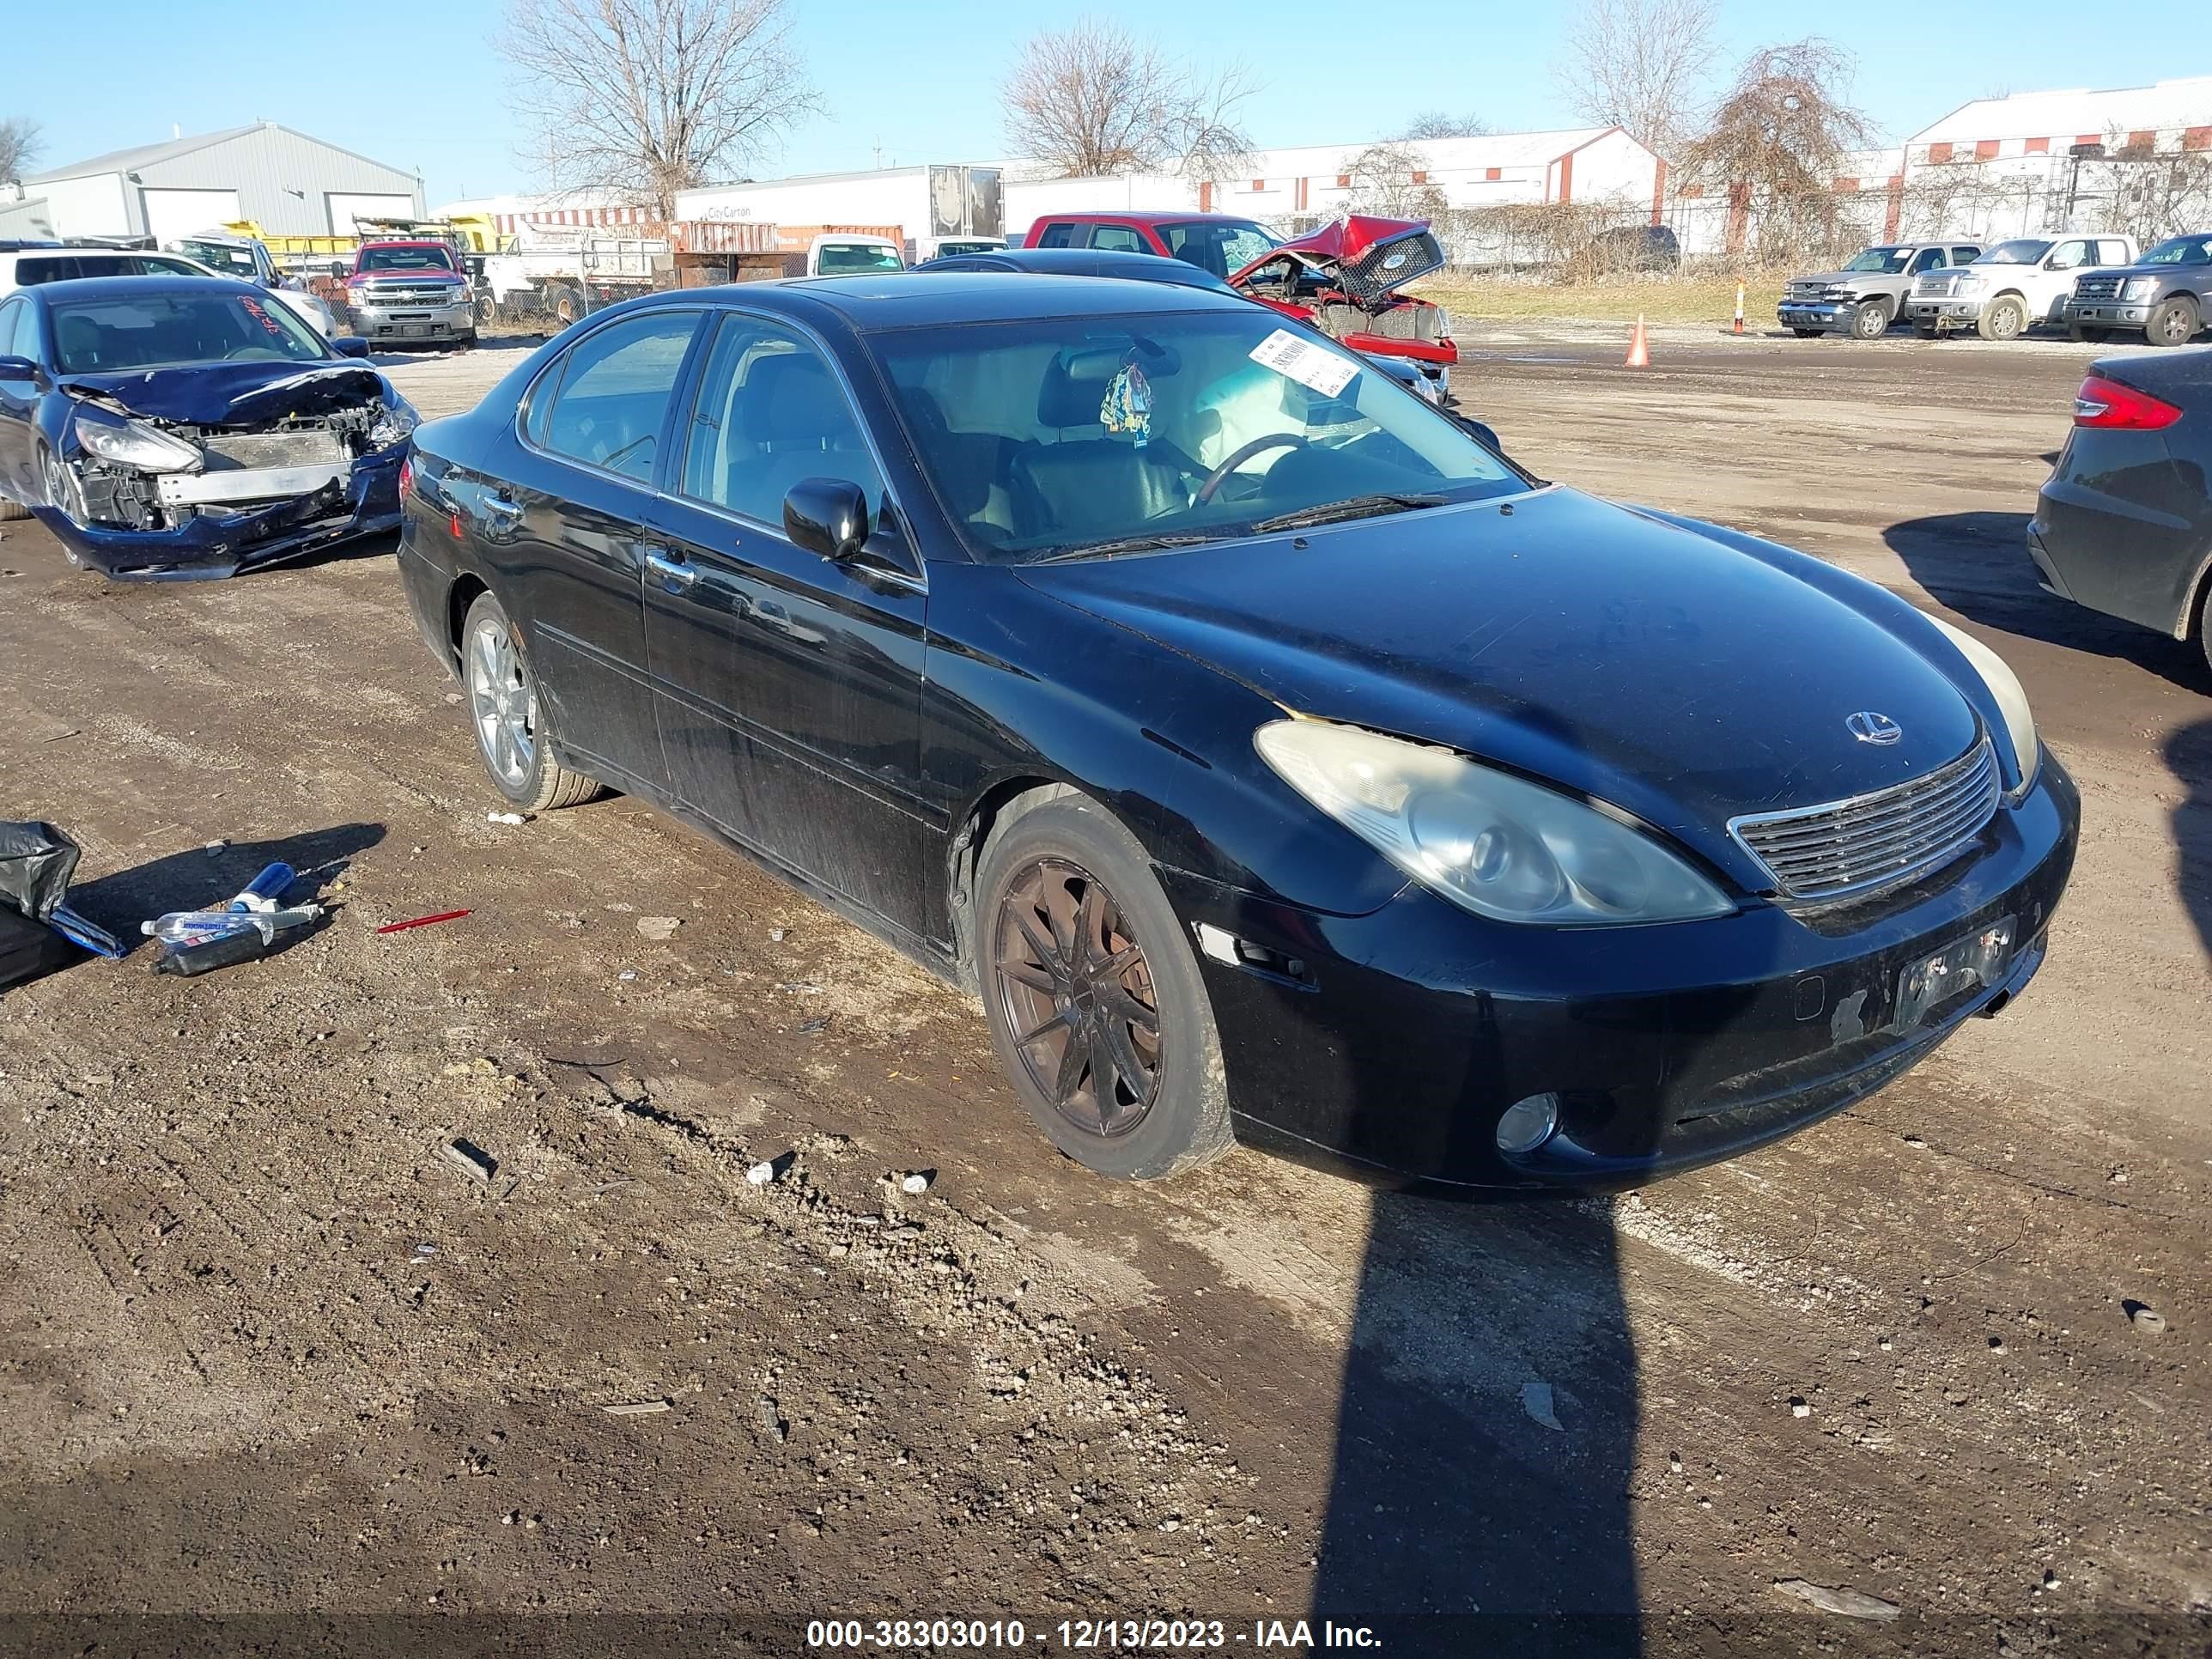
pixel 1306 361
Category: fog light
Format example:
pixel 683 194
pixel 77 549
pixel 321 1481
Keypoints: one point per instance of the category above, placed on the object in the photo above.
pixel 1528 1124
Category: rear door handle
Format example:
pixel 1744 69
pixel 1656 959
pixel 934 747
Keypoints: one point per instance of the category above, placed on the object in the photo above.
pixel 674 571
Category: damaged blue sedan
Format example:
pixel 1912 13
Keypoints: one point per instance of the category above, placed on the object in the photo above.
pixel 174 428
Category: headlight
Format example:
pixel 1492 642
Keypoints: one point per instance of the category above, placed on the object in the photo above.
pixel 1501 847
pixel 399 418
pixel 2139 288
pixel 2012 701
pixel 132 444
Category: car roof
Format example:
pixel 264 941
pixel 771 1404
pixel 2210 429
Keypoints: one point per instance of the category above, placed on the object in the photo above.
pixel 915 298
pixel 1143 216
pixel 96 287
pixel 406 242
pixel 1084 261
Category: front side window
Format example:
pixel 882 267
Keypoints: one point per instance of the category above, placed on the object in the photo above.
pixel 160 331
pixel 1060 436
pixel 1890 259
pixel 768 413
pixel 2069 256
pixel 2024 252
pixel 406 258
pixel 221 257
pixel 1223 246
pixel 614 391
pixel 1928 259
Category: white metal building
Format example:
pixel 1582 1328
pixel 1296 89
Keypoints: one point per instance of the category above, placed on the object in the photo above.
pixel 287 182
pixel 1578 164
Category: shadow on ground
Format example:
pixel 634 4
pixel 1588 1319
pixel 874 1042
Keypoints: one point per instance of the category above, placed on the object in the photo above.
pixel 1977 564
pixel 2188 755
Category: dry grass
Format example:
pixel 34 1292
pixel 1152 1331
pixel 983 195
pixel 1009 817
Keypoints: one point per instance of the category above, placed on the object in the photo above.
pixel 1686 300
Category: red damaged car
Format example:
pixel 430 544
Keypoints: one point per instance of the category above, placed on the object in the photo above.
pixel 1343 278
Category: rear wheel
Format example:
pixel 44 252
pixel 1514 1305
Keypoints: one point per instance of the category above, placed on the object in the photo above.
pixel 509 716
pixel 2003 319
pixel 2174 322
pixel 1096 1004
pixel 1871 321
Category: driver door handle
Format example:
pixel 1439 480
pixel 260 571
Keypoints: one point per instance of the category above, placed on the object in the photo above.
pixel 673 571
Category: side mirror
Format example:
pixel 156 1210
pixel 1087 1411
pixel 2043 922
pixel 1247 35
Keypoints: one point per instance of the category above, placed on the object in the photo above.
pixel 828 516
pixel 350 345
pixel 18 369
pixel 1475 429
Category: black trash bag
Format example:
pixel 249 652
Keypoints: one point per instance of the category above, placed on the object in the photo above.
pixel 36 863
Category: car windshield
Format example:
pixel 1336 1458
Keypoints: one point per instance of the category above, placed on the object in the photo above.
pixel 220 257
pixel 405 258
pixel 1220 245
pixel 2181 251
pixel 1881 259
pixel 2025 252
pixel 159 331
pixel 1079 436
pixel 837 258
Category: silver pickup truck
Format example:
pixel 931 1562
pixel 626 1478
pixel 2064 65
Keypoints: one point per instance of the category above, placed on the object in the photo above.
pixel 1867 294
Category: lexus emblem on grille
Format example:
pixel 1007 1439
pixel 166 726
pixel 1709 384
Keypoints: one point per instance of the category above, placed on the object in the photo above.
pixel 1878 729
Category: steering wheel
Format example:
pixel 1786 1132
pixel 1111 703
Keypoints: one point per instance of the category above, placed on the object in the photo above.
pixel 1245 453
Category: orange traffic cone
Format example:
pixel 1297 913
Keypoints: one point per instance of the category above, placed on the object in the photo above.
pixel 1640 349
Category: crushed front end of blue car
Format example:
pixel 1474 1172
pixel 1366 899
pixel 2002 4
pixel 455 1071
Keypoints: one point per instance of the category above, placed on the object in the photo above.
pixel 195 473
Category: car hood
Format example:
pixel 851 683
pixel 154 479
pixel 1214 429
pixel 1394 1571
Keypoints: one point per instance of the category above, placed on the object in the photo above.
pixel 230 394
pixel 1826 277
pixel 2203 271
pixel 1623 656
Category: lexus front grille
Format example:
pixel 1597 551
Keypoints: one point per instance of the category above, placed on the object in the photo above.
pixel 1856 848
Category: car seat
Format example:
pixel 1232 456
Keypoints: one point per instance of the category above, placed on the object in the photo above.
pixel 1089 485
pixel 794 423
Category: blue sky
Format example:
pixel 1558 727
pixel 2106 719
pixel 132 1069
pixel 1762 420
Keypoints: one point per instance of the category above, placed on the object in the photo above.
pixel 429 95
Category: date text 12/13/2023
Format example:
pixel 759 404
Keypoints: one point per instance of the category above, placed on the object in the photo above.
pixel 1086 1635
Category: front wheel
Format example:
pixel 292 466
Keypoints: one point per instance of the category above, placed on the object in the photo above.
pixel 509 716
pixel 1871 321
pixel 2002 319
pixel 2173 323
pixel 1096 1004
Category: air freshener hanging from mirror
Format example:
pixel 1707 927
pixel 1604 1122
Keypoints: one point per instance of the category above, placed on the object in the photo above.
pixel 1128 404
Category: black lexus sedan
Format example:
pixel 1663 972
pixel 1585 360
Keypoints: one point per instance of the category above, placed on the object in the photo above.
pixel 2124 524
pixel 1274 762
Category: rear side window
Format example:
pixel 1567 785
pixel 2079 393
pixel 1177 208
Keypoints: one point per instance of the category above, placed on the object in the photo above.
pixel 1965 254
pixel 47 268
pixel 615 391
pixel 1117 238
pixel 14 320
pixel 1059 235
pixel 2111 251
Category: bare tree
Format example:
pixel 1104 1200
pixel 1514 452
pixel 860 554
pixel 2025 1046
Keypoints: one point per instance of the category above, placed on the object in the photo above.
pixel 1441 124
pixel 1094 101
pixel 2155 194
pixel 1776 141
pixel 649 97
pixel 19 146
pixel 1389 180
pixel 1642 65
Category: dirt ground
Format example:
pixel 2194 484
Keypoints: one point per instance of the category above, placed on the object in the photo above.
pixel 1929 1378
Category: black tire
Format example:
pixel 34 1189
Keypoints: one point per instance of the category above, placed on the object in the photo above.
pixel 568 307
pixel 1063 890
pixel 2004 318
pixel 2173 322
pixel 526 774
pixel 1807 333
pixel 1871 321
pixel 11 510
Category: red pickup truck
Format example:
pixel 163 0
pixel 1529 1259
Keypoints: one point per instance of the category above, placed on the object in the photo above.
pixel 411 290
pixel 1344 279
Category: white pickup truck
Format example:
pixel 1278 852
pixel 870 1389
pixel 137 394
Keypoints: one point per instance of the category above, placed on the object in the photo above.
pixel 2013 286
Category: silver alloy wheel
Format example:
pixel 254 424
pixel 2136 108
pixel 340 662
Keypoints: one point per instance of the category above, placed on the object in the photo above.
pixel 502 703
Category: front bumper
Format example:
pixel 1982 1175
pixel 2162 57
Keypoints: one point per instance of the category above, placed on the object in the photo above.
pixel 1388 1045
pixel 1941 314
pixel 1815 313
pixel 2105 313
pixel 457 321
pixel 215 544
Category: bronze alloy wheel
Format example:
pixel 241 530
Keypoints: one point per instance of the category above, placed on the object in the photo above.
pixel 1078 996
